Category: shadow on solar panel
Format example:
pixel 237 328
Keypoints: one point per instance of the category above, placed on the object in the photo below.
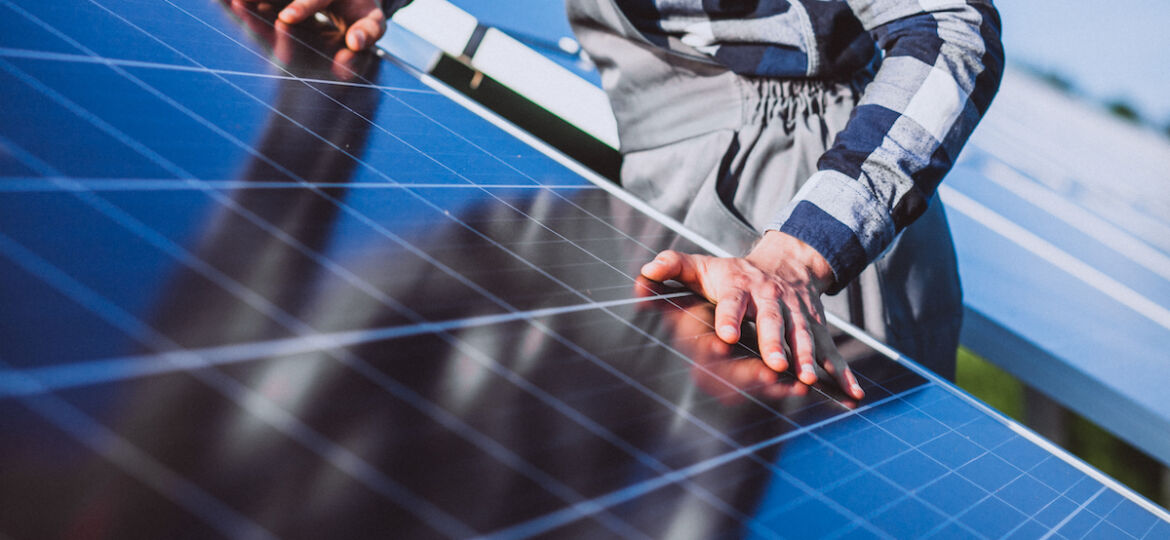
pixel 259 295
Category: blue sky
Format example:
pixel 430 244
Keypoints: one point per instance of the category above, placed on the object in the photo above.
pixel 1116 49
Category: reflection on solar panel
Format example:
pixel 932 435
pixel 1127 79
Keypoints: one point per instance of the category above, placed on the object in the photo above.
pixel 245 298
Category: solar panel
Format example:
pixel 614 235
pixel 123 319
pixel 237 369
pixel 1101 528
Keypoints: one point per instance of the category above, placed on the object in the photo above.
pixel 265 298
pixel 1042 212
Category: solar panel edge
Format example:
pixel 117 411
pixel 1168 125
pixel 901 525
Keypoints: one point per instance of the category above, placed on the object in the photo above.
pixel 895 356
pixel 693 236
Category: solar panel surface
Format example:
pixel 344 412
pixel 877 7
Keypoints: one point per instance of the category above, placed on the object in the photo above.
pixel 1061 220
pixel 246 298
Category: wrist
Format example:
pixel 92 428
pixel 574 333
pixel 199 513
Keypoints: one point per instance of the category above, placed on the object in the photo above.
pixel 781 253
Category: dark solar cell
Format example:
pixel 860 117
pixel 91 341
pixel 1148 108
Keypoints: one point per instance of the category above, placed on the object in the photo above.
pixel 243 297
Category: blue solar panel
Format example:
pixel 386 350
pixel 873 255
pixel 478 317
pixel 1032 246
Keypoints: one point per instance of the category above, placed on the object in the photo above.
pixel 243 297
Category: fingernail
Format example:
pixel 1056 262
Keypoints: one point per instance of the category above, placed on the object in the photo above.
pixel 727 330
pixel 775 357
pixel 290 13
pixel 359 39
pixel 807 376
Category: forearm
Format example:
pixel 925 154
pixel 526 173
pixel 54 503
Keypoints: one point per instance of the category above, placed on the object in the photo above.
pixel 940 71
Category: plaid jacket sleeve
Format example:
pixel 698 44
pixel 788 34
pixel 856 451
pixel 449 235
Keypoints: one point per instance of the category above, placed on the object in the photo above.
pixel 942 64
pixel 390 6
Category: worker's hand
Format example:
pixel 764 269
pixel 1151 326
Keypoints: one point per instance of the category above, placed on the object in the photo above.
pixel 363 20
pixel 779 284
pixel 720 369
pixel 266 21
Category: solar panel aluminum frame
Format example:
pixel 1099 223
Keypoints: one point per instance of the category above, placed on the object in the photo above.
pixel 50 407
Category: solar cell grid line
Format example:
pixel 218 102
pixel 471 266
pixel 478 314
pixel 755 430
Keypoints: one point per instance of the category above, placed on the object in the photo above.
pixel 457 134
pixel 1070 517
pixel 879 511
pixel 805 490
pixel 439 519
pixel 89 59
pixel 215 127
pixel 1134 419
pixel 197 62
pixel 784 472
pixel 866 468
pixel 230 389
pixel 312 438
pixel 535 267
pixel 554 231
pixel 59 377
pixel 103 441
pixel 570 514
pixel 182 173
pixel 285 70
pixel 991 495
pixel 36 184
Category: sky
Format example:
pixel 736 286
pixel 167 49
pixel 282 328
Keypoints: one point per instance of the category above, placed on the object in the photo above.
pixel 1110 50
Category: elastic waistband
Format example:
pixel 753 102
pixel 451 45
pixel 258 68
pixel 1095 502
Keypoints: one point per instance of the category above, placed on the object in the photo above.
pixel 784 101
pixel 660 96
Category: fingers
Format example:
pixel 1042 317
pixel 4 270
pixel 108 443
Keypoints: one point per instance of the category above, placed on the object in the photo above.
pixel 800 339
pixel 366 31
pixel 365 23
pixel 343 64
pixel 783 390
pixel 770 330
pixel 256 25
pixel 834 364
pixel 299 10
pixel 729 311
pixel 283 45
pixel 666 265
pixel 785 309
pixel 644 287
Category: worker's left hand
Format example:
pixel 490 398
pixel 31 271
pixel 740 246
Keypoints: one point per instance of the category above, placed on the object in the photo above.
pixel 364 21
pixel 779 284
pixel 273 29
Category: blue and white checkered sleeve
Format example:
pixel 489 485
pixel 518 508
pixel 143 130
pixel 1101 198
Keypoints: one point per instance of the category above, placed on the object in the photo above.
pixel 942 65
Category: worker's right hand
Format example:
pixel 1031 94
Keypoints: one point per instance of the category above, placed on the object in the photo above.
pixel 779 284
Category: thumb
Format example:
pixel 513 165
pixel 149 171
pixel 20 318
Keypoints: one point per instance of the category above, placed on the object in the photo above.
pixel 666 265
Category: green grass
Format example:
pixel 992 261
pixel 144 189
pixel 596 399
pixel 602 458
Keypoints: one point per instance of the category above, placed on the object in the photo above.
pixel 992 385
